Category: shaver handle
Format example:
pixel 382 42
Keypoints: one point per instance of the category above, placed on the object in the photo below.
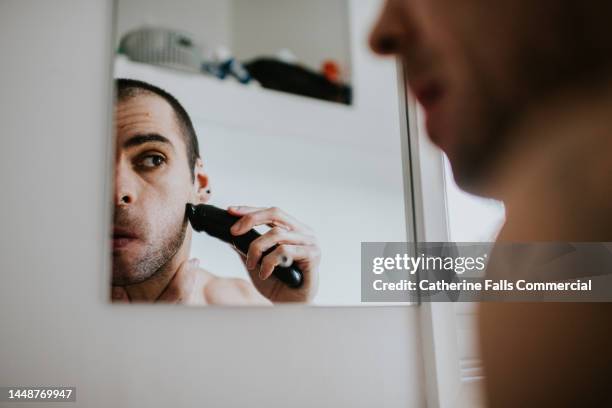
pixel 217 223
pixel 291 276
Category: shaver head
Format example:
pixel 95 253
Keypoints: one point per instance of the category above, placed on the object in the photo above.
pixel 190 211
pixel 197 216
pixel 210 219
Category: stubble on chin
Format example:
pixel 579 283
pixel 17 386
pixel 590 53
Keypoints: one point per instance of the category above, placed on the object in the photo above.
pixel 156 255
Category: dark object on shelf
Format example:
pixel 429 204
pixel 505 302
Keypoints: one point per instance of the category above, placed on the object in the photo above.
pixel 280 76
pixel 229 67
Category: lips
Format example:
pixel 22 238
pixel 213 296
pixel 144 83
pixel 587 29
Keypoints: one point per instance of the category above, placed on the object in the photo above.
pixel 428 94
pixel 122 237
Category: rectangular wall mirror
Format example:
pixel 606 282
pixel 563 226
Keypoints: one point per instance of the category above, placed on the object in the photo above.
pixel 275 107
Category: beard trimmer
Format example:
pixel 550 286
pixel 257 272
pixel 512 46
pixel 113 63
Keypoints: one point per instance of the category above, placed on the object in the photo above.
pixel 217 223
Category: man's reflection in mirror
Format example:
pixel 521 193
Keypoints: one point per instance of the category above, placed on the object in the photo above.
pixel 158 170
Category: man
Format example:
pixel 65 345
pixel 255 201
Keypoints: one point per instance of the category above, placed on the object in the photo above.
pixel 158 170
pixel 518 95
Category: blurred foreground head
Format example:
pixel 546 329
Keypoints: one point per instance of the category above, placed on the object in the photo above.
pixel 478 67
pixel 481 69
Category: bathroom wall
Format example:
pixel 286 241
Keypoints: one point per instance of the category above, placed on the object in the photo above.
pixel 57 326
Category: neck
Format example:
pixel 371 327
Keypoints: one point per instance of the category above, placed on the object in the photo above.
pixel 562 127
pixel 150 290
pixel 554 181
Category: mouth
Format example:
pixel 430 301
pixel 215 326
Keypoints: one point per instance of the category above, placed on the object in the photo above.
pixel 123 237
pixel 428 94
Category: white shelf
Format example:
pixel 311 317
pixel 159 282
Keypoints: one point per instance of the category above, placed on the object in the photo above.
pixel 234 105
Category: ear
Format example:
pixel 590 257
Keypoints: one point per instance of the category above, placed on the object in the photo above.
pixel 201 185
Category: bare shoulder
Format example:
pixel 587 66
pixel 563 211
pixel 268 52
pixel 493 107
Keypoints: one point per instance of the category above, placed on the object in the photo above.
pixel 232 292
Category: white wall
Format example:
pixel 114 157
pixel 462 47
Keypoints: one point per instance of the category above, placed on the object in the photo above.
pixel 57 327
pixel 314 30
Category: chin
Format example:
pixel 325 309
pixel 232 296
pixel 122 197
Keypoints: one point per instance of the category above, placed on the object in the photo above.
pixel 121 278
pixel 443 129
pixel 471 176
pixel 125 273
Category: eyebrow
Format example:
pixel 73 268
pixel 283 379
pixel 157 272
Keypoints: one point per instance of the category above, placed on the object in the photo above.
pixel 147 138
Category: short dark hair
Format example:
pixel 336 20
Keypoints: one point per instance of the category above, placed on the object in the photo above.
pixel 129 88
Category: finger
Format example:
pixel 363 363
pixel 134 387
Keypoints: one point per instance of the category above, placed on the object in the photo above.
pixel 119 295
pixel 282 255
pixel 182 284
pixel 243 209
pixel 275 236
pixel 273 215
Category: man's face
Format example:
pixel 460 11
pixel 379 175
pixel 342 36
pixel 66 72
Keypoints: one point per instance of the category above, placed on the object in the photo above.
pixel 474 65
pixel 152 185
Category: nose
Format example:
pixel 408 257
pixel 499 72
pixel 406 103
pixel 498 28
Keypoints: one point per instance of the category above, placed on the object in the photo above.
pixel 125 187
pixel 390 30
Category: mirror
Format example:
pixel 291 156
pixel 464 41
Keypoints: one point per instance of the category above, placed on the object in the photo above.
pixel 269 114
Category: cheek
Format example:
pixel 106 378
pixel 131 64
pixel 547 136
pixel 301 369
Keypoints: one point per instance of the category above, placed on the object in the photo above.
pixel 490 39
pixel 164 216
pixel 466 67
pixel 163 200
pixel 171 198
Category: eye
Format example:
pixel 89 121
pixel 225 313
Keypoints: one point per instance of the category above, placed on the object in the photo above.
pixel 151 161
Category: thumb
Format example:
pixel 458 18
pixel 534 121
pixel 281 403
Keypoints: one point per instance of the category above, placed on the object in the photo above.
pixel 242 209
